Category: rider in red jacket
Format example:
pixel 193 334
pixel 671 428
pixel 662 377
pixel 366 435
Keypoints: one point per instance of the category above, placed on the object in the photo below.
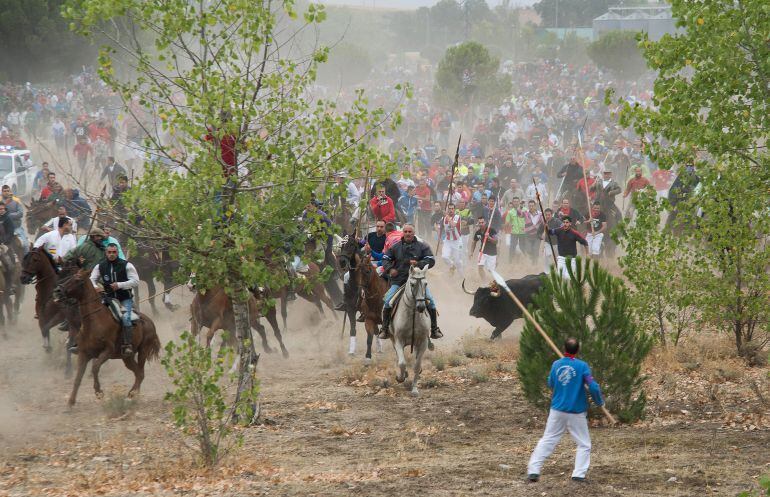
pixel 382 206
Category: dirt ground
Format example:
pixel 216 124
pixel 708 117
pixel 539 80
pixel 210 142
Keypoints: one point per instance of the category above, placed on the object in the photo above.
pixel 332 425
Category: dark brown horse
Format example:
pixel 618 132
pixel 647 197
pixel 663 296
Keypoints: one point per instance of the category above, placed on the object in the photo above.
pixel 373 289
pixel 151 263
pixel 37 267
pixel 214 310
pixel 100 336
pixel 38 212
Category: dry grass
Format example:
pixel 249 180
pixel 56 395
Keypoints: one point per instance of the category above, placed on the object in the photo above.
pixel 118 406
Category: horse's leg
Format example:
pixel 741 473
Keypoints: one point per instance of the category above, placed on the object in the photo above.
pixel 324 297
pixel 401 360
pixel 418 366
pixel 45 330
pixel 273 320
pixel 284 312
pixel 82 363
pixel 151 291
pixel 139 373
pixel 370 330
pixel 216 325
pixel 261 330
pixel 101 359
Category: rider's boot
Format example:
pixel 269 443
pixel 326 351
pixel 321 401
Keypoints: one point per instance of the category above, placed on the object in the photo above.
pixel 64 325
pixel 342 306
pixel 435 332
pixel 72 345
pixel 361 318
pixel 385 327
pixel 127 350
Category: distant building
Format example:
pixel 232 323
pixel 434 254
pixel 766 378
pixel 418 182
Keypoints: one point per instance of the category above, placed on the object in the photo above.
pixel 655 20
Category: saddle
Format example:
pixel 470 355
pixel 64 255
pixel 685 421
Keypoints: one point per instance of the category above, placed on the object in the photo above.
pixel 118 310
pixel 396 298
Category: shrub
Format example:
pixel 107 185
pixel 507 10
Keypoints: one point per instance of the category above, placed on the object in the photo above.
pixel 201 400
pixel 592 306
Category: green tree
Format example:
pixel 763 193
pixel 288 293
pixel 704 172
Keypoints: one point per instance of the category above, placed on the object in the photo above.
pixel 618 51
pixel 37 43
pixel 570 13
pixel 220 71
pixel 592 306
pixel 711 95
pixel 468 75
pixel 661 271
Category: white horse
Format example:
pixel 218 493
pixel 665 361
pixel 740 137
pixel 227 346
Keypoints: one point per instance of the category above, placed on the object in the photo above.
pixel 411 325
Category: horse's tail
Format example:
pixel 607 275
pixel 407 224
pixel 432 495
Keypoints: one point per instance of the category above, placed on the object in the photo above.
pixel 152 343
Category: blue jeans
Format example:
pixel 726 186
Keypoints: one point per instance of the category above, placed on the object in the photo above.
pixel 394 288
pixel 128 304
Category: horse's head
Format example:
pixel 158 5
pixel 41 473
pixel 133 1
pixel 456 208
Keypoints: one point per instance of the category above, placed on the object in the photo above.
pixel 36 264
pixel 348 256
pixel 73 286
pixel 417 285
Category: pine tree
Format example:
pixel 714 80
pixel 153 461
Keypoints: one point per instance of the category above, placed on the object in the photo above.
pixel 592 306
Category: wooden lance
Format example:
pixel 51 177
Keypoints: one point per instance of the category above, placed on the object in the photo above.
pixel 489 225
pixel 502 284
pixel 585 179
pixel 449 192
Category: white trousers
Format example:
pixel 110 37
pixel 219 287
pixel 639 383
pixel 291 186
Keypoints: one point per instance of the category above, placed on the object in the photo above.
pixel 452 253
pixel 594 243
pixel 561 264
pixel 558 422
pixel 488 261
pixel 548 256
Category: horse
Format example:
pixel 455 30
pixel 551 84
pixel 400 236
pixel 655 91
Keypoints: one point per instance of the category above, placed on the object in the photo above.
pixel 149 262
pixel 100 336
pixel 410 325
pixel 6 299
pixel 315 292
pixel 373 289
pixel 214 310
pixel 38 212
pixel 38 267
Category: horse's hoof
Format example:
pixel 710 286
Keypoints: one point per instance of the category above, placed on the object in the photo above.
pixel 367 361
pixel 285 353
pixel 99 395
pixel 431 347
pixel 132 394
pixel 400 378
pixel 48 348
pixel 268 350
pixel 414 393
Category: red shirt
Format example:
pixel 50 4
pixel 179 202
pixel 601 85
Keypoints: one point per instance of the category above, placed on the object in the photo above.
pixel 635 184
pixel 384 211
pixel 227 153
pixel 391 238
pixel 424 192
pixel 662 179
pixel 581 185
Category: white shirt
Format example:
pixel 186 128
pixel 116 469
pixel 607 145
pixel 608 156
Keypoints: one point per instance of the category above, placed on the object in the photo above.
pixel 54 224
pixel 56 244
pixel 354 194
pixel 132 283
pixel 540 188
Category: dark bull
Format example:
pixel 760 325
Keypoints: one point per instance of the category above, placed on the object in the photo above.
pixel 498 309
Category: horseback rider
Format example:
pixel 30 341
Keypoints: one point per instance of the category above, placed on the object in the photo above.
pixel 59 242
pixel 16 213
pixel 119 278
pixel 396 262
pixel 7 256
pixel 87 254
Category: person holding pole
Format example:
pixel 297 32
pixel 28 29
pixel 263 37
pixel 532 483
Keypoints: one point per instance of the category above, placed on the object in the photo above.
pixel 452 250
pixel 488 251
pixel 566 241
pixel 569 409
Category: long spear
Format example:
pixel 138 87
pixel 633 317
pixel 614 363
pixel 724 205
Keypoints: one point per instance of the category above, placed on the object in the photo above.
pixel 545 224
pixel 585 180
pixel 489 225
pixel 449 192
pixel 502 284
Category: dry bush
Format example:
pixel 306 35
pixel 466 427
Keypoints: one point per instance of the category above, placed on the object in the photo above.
pixel 118 406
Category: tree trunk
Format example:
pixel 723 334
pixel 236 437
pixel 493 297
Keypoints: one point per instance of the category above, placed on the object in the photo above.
pixel 248 359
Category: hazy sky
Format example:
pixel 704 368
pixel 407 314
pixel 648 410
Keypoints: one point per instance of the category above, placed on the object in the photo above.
pixel 408 4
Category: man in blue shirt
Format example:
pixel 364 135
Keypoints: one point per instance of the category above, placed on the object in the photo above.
pixel 569 409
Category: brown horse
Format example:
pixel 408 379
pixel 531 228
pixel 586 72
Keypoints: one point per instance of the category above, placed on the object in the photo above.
pixel 373 289
pixel 214 310
pixel 38 212
pixel 100 336
pixel 37 267
pixel 309 287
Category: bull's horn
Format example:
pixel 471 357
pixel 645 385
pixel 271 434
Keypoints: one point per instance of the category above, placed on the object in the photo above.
pixel 466 291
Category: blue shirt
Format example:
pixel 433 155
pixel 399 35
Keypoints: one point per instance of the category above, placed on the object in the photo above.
pixel 408 205
pixel 567 378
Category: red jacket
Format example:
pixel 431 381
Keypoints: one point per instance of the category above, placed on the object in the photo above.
pixel 385 211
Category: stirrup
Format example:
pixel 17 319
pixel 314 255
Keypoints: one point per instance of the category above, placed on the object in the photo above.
pixel 435 333
pixel 127 350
